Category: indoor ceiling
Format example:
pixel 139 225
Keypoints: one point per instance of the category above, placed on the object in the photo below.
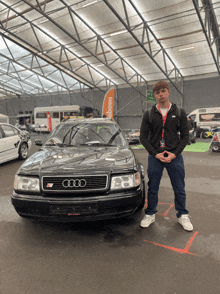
pixel 49 46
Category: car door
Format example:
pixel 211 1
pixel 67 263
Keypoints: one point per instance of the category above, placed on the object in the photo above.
pixel 2 146
pixel 11 142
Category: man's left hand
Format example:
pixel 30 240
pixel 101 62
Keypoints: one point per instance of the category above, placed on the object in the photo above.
pixel 170 156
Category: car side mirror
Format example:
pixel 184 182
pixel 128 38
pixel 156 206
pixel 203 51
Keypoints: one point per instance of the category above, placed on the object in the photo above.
pixel 38 142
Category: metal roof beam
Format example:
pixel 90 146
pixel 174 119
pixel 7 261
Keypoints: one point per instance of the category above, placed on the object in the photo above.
pixel 100 41
pixel 17 77
pixel 210 28
pixel 48 58
pixel 13 61
pixel 147 29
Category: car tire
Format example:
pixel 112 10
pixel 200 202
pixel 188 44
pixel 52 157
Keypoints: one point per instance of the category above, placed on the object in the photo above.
pixel 204 135
pixel 23 151
pixel 215 147
pixel 141 205
pixel 198 133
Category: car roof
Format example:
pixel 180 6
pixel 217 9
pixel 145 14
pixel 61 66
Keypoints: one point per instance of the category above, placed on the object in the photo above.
pixel 1 123
pixel 89 120
pixel 6 124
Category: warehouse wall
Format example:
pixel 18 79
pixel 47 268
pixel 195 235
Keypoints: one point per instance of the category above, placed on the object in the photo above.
pixel 3 109
pixel 129 107
pixel 201 93
pixel 129 104
pixel 13 106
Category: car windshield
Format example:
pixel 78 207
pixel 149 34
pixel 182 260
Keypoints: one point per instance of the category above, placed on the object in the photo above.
pixel 107 134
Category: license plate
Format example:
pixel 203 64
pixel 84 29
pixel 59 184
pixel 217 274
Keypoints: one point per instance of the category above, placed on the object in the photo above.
pixel 69 210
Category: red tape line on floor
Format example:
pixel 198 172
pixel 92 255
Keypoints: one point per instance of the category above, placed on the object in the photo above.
pixel 185 250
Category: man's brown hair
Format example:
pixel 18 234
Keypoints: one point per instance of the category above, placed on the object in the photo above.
pixel 160 85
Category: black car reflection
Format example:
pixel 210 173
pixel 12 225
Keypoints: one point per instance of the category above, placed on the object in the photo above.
pixel 84 171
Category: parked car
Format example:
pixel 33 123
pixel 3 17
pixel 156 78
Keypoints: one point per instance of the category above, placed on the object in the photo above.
pixel 192 136
pixel 84 171
pixel 133 137
pixel 32 127
pixel 20 127
pixel 14 143
pixel 215 142
pixel 209 133
pixel 40 129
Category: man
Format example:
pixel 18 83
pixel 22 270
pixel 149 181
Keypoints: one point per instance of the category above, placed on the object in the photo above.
pixel 89 115
pixel 164 134
pixel 27 124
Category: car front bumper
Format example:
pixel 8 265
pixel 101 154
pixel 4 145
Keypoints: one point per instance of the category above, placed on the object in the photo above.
pixel 107 206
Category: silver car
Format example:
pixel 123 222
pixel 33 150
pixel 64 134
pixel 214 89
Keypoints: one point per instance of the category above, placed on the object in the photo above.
pixel 14 143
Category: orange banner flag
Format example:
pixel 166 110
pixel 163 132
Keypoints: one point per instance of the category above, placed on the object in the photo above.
pixel 108 104
pixel 49 122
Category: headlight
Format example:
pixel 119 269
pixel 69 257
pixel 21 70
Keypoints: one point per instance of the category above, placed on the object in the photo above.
pixel 123 182
pixel 26 184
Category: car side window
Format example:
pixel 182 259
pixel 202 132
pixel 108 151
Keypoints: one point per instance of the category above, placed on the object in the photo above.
pixel 1 136
pixel 193 117
pixel 16 131
pixel 8 130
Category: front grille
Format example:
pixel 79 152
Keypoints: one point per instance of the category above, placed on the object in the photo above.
pixel 75 183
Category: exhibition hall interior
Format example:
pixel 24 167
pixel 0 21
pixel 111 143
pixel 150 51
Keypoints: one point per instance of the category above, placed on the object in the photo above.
pixel 80 154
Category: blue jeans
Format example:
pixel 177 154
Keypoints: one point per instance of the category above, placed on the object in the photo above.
pixel 176 173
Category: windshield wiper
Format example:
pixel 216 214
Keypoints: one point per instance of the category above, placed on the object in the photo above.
pixel 113 137
pixel 60 144
pixel 70 131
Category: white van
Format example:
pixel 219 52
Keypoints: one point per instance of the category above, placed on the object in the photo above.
pixel 56 115
pixel 206 118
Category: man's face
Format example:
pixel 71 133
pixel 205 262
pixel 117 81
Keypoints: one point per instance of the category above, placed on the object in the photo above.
pixel 162 95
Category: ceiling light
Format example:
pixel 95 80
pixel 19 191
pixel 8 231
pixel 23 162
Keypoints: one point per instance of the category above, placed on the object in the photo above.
pixel 90 3
pixel 118 33
pixel 186 48
pixel 100 65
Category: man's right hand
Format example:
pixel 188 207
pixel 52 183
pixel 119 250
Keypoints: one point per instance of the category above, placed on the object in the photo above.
pixel 162 158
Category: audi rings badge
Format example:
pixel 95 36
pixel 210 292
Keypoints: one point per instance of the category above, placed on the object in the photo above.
pixel 74 183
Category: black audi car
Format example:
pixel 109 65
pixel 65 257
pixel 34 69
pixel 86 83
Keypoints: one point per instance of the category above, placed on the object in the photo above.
pixel 84 171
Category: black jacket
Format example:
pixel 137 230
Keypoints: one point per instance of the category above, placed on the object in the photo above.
pixel 172 126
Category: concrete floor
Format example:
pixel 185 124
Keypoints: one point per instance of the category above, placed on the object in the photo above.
pixel 117 256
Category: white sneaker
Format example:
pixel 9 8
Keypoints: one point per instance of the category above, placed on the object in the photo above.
pixel 147 220
pixel 185 222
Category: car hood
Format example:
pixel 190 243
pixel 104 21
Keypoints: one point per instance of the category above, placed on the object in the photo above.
pixel 77 160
